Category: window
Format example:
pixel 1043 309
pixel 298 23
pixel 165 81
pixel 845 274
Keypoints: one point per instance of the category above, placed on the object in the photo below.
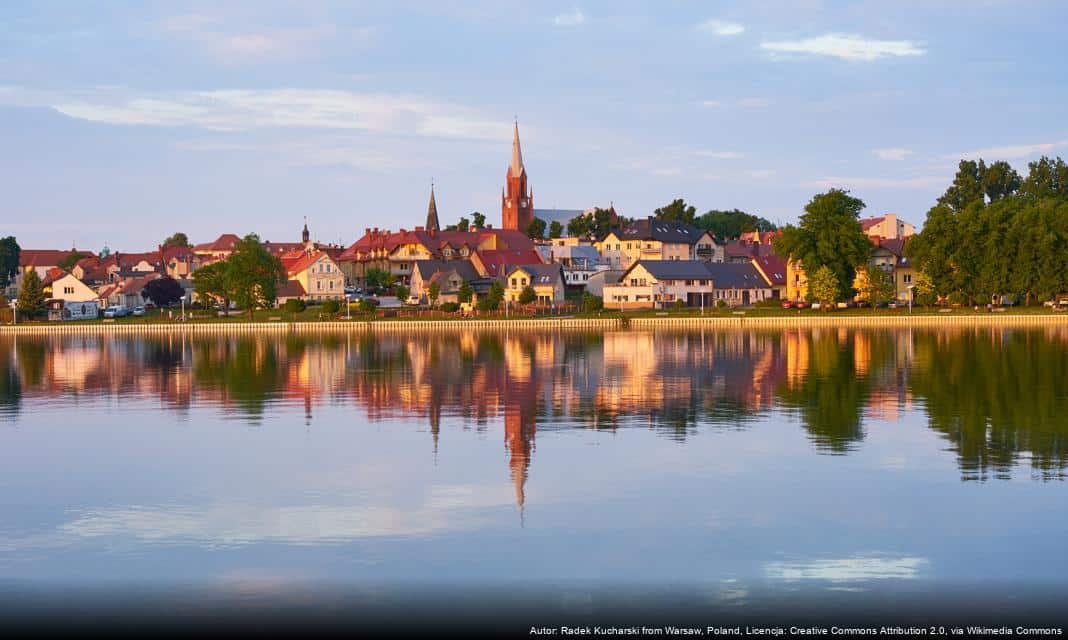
pixel 513 282
pixel 907 278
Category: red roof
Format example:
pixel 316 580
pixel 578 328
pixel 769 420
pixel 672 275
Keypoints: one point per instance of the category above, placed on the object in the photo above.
pixel 295 263
pixel 225 242
pixel 773 268
pixel 496 262
pixel 290 289
pixel 374 239
pixel 45 257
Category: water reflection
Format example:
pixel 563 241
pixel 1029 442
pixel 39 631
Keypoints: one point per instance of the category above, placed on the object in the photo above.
pixel 997 396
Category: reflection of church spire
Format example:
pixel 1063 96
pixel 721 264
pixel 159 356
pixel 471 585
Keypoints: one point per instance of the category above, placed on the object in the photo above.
pixel 519 440
pixel 435 424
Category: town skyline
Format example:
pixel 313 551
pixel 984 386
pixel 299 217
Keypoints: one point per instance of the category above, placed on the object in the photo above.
pixel 235 120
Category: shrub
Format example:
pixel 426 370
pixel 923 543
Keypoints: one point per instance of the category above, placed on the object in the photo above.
pixel 680 303
pixel 368 305
pixel 592 303
pixel 450 307
pixel 488 303
pixel 527 295
pixel 294 305
pixel 721 304
pixel 331 306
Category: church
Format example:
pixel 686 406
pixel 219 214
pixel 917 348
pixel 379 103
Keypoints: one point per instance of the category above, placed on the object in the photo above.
pixel 517 199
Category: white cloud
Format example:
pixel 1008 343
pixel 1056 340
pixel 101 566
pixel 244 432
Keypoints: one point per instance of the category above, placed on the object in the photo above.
pixel 258 44
pixel 846 47
pixel 711 103
pixel 748 103
pixel 245 109
pixel 838 182
pixel 572 18
pixel 857 568
pixel 754 103
pixel 719 155
pixel 721 28
pixel 1009 152
pixel 894 153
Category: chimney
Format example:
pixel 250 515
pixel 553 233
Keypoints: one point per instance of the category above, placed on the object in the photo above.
pixel 367 231
pixel 489 226
pixel 419 229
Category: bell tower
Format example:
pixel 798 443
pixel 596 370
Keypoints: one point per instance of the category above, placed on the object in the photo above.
pixel 517 200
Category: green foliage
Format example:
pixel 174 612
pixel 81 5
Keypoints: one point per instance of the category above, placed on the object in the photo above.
pixel 721 304
pixel 595 225
pixel 433 292
pixel 828 235
pixel 212 283
pixel 164 291
pixel 9 260
pixel 677 211
pixel 923 290
pixel 536 229
pixel 527 295
pixel 492 300
pixel 31 300
pixel 179 239
pixel 478 220
pixel 463 225
pixel 401 291
pixel 368 305
pixel 68 262
pixel 592 303
pixel 1046 178
pixel 254 274
pixel 679 303
pixel 556 229
pixel 823 287
pixel 294 305
pixel 450 307
pixel 465 292
pixel 378 279
pixel 331 306
pixel 731 224
pixel 877 286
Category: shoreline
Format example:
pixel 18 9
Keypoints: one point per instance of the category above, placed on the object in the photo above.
pixel 537 324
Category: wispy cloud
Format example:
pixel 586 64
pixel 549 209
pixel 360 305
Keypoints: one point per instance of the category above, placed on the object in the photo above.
pixel 248 44
pixel 1009 152
pixel 894 153
pixel 719 155
pixel 846 47
pixel 748 103
pixel 246 109
pixel 721 28
pixel 572 18
pixel 859 182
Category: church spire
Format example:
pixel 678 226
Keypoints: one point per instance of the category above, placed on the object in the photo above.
pixel 305 235
pixel 432 212
pixel 516 166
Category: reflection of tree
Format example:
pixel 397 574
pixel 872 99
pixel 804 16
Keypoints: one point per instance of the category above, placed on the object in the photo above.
pixel 831 396
pixel 10 387
pixel 248 371
pixel 994 395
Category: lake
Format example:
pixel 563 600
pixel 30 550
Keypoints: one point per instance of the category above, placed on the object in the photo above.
pixel 536 473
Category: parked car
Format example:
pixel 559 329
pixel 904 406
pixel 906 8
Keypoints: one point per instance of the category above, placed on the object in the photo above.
pixel 787 305
pixel 413 300
pixel 116 312
pixel 801 304
pixel 139 310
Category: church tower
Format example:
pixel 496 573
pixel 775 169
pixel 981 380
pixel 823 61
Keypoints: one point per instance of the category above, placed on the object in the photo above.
pixel 517 201
pixel 305 235
pixel 432 213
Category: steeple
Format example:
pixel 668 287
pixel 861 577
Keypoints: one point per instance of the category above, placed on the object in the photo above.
pixel 432 212
pixel 515 168
pixel 305 235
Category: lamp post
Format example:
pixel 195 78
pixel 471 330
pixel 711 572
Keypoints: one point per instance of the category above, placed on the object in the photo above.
pixel 910 288
pixel 14 312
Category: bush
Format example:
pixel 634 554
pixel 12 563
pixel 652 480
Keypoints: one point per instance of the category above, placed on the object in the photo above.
pixel 368 305
pixel 592 303
pixel 331 306
pixel 680 303
pixel 527 295
pixel 294 305
pixel 450 307
pixel 721 304
pixel 488 303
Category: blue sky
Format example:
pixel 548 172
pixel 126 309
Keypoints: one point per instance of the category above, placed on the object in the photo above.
pixel 125 122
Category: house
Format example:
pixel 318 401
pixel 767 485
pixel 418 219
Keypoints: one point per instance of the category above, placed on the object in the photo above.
pixel 59 309
pixel 496 263
pixel 289 290
pixel 219 249
pixel 773 269
pixel 449 276
pixel 41 260
pixel 547 280
pixel 652 239
pixel 127 292
pixel 662 283
pixel 70 289
pixel 889 255
pixel 887 226
pixel 579 261
pixel 598 280
pixel 316 272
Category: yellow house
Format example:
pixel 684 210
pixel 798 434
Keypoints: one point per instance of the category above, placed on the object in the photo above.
pixel 547 280
pixel 650 239
pixel 317 273
pixel 796 281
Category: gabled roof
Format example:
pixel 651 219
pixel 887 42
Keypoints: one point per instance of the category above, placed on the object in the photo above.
pixel 540 274
pixel 294 264
pixel 53 274
pixel 773 268
pixel 290 289
pixel 45 257
pixel 662 230
pixel 673 269
pixel 726 275
pixel 496 262
pixel 225 242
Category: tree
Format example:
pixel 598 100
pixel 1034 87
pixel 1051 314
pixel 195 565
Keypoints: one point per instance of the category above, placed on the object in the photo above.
pixel 401 291
pixel 823 287
pixel 594 225
pixel 876 286
pixel 463 224
pixel 556 229
pixel 479 220
pixel 677 211
pixel 254 274
pixel 31 300
pixel 932 250
pixel 433 292
pixel 378 279
pixel 71 259
pixel 923 290
pixel 294 305
pixel 1046 178
pixel 731 224
pixel 465 292
pixel 527 295
pixel 828 235
pixel 9 260
pixel 179 239
pixel 967 186
pixel 164 291
pixel 212 283
pixel 592 303
pixel 492 300
pixel 1000 180
pixel 536 229
pixel 331 307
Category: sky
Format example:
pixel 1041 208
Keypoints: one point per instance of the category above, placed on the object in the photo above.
pixel 121 123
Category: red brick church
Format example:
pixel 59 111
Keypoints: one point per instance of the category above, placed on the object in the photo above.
pixel 517 200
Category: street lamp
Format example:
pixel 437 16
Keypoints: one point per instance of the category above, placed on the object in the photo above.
pixel 910 288
pixel 14 312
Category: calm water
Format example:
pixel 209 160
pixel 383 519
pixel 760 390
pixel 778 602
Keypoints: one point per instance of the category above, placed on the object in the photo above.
pixel 729 466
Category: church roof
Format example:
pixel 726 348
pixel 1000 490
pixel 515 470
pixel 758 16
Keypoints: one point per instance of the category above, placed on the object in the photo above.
pixel 515 167
pixel 432 213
